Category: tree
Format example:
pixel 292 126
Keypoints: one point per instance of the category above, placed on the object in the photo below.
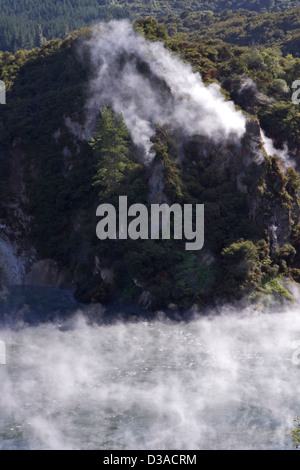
pixel 241 266
pixel 111 149
pixel 172 178
pixel 296 433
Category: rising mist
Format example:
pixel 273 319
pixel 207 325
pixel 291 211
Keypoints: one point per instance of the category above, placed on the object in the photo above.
pixel 148 85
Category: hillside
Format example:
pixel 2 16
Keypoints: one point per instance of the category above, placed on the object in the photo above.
pixel 55 169
pixel 26 23
pixel 241 28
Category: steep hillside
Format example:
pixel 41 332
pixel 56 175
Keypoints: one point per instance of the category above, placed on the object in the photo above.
pixel 180 141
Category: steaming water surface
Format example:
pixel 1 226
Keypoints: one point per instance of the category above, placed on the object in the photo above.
pixel 218 382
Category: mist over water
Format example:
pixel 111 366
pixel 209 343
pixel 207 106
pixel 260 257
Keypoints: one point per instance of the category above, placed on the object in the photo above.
pixel 224 381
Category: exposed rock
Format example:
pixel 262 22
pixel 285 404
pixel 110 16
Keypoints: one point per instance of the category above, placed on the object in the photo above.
pixel 137 283
pixel 156 184
pixel 56 135
pixel 45 273
pixel 279 229
pixel 107 275
pixel 145 299
pixel 242 188
pixel 12 265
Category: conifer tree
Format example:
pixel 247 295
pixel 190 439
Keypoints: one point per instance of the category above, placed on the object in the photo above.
pixel 111 150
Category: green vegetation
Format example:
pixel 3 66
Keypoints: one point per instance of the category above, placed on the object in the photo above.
pixel 65 178
pixel 296 433
pixel 28 23
pixel 111 151
pixel 240 27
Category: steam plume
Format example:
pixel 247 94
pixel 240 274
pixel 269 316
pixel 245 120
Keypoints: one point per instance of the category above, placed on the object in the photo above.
pixel 147 84
pixel 283 154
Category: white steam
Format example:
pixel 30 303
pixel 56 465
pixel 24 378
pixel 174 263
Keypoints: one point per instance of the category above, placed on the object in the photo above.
pixel 224 382
pixel 149 85
pixel 283 154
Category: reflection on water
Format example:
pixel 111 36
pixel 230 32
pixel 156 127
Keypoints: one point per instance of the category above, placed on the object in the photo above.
pixel 20 305
pixel 223 382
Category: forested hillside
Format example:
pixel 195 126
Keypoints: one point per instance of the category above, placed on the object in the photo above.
pixel 54 174
pixel 242 28
pixel 28 23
